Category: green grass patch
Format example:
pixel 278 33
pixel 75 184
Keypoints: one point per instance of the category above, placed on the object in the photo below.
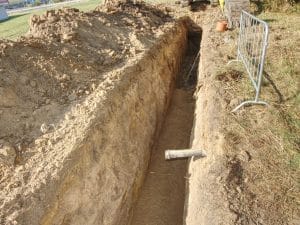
pixel 18 24
pixel 295 161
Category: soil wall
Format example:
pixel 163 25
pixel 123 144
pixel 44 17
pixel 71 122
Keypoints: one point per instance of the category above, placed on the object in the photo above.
pixel 97 167
pixel 206 199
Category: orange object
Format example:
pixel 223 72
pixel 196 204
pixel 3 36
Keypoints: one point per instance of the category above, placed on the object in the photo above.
pixel 222 25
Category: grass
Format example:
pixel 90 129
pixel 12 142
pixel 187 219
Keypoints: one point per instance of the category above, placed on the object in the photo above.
pixel 14 1
pixel 18 24
pixel 283 68
pixel 271 135
pixel 86 5
pixel 277 5
pixel 15 26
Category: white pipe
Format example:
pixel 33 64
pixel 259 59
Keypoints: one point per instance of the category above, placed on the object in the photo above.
pixel 183 153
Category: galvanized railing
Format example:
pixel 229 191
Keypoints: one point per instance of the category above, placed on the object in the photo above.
pixel 252 47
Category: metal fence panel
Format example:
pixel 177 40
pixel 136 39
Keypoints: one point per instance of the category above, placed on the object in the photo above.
pixel 252 47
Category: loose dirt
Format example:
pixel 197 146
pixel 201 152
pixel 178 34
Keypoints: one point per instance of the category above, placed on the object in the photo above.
pixel 49 74
pixel 59 64
pixel 63 63
pixel 161 199
pixel 48 83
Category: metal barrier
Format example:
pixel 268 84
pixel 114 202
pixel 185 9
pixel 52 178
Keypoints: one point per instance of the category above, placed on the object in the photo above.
pixel 252 46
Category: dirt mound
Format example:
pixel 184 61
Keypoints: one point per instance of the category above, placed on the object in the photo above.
pixel 62 60
pixel 56 24
pixel 67 24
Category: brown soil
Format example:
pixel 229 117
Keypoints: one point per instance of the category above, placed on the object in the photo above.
pixel 162 196
pixel 161 199
pixel 54 80
pixel 41 77
pixel 62 63
pixel 48 84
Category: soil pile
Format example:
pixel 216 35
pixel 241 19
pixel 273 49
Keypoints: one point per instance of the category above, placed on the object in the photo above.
pixel 61 61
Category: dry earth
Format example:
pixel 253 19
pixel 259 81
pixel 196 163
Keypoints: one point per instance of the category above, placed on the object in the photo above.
pixel 257 160
pixel 47 85
pixel 50 85
pixel 59 64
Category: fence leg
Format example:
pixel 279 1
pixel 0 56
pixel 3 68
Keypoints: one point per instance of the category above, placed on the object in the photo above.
pixel 255 102
pixel 232 61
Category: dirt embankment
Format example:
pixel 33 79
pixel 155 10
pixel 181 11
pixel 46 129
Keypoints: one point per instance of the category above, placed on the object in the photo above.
pixel 87 92
pixel 86 113
pixel 65 61
pixel 162 195
pixel 250 173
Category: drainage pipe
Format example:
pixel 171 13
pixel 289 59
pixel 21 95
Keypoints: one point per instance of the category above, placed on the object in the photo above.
pixel 183 153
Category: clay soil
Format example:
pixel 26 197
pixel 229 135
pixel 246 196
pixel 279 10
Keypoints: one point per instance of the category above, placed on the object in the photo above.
pixel 162 196
pixel 54 69
pixel 255 175
pixel 58 64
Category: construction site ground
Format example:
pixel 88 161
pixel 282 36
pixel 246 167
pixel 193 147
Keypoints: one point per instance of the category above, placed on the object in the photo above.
pixel 89 102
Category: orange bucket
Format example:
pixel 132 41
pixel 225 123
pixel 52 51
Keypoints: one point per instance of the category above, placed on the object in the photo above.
pixel 222 25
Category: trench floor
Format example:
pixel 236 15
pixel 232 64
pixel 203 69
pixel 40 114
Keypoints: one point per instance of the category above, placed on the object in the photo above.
pixel 161 199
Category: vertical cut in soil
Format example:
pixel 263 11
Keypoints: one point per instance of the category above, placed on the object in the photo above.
pixel 161 199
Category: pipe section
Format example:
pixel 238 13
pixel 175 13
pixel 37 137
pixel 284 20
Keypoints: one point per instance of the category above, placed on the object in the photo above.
pixel 183 153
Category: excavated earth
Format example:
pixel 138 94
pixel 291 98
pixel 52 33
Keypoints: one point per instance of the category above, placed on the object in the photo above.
pixel 81 99
pixel 90 101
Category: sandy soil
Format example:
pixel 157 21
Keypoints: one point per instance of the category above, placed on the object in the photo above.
pixel 58 65
pixel 247 177
pixel 62 64
pixel 162 196
pixel 54 80
pixel 47 86
pixel 161 199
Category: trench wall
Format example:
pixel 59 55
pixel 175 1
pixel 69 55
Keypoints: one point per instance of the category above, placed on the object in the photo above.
pixel 104 160
pixel 206 199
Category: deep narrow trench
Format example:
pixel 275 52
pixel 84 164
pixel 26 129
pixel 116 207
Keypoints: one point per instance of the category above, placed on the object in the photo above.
pixel 161 199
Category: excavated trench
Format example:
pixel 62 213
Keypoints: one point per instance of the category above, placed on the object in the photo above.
pixel 161 199
pixel 109 168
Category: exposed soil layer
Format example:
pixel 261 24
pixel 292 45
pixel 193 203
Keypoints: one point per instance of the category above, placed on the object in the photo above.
pixel 80 106
pixel 65 61
pixel 249 175
pixel 161 199
pixel 162 195
pixel 79 117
